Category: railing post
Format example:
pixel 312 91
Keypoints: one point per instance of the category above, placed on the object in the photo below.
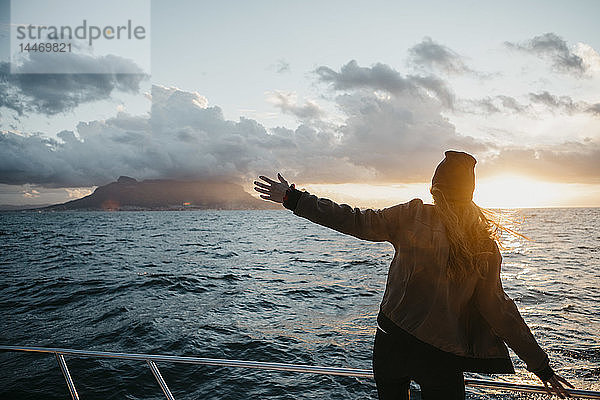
pixel 63 367
pixel 160 380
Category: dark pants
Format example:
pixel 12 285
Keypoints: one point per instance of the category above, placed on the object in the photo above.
pixel 399 358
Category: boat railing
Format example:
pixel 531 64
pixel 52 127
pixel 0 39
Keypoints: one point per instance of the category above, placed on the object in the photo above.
pixel 152 359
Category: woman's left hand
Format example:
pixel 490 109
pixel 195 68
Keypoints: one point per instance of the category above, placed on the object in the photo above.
pixel 555 386
pixel 272 190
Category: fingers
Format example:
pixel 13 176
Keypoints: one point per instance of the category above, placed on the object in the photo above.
pixel 563 380
pixel 264 178
pixel 558 392
pixel 558 388
pixel 545 385
pixel 262 185
pixel 558 380
pixel 561 391
pixel 265 191
pixel 271 190
pixel 551 390
pixel 282 179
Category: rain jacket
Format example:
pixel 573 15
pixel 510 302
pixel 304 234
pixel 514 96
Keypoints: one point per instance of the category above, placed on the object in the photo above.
pixel 472 319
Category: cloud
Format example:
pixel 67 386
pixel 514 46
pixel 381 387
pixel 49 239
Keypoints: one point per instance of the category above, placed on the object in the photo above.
pixel 590 57
pixel 507 104
pixel 383 77
pixel 351 76
pixel 395 138
pixel 485 106
pixel 51 94
pixel 594 109
pixel 510 103
pixel 437 86
pixel 282 66
pixel 436 56
pixel 554 48
pixel 570 162
pixel 287 103
pixel 564 104
pixel 400 137
pixel 182 138
pixel 77 193
pixel 386 136
pixel 492 105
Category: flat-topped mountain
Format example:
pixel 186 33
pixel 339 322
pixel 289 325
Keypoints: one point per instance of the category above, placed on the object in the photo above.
pixel 163 194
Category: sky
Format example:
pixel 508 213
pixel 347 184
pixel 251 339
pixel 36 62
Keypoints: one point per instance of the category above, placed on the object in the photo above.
pixel 356 101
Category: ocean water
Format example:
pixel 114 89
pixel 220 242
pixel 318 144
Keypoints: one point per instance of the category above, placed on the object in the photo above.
pixel 253 285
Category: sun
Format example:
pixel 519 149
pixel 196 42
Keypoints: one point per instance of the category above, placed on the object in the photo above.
pixel 515 191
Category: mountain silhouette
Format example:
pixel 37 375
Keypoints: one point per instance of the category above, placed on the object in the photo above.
pixel 164 194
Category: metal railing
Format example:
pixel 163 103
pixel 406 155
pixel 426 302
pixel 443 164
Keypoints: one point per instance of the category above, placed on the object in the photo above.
pixel 151 360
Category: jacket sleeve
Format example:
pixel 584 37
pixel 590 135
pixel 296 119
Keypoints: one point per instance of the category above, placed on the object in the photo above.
pixel 502 315
pixel 368 224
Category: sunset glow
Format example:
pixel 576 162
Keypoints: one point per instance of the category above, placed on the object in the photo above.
pixel 513 191
pixel 501 191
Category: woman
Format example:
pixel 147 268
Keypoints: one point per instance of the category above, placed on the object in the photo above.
pixel 444 310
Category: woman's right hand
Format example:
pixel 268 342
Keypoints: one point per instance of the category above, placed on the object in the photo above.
pixel 556 386
pixel 274 191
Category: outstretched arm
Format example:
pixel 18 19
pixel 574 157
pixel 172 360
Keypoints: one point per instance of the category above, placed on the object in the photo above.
pixel 368 224
pixel 502 314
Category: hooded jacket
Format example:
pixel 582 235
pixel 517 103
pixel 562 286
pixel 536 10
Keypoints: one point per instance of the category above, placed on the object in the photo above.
pixel 472 319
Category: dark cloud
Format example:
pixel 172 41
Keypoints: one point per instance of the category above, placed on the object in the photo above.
pixel 351 76
pixel 27 91
pixel 436 56
pixel 383 139
pixel 553 47
pixel 182 138
pixel 383 77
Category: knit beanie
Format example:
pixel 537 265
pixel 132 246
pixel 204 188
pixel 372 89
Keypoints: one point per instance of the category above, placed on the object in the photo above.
pixel 455 176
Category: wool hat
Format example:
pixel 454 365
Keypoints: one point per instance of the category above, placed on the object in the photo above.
pixel 455 176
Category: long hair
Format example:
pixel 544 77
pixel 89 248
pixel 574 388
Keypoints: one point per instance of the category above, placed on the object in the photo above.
pixel 470 235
